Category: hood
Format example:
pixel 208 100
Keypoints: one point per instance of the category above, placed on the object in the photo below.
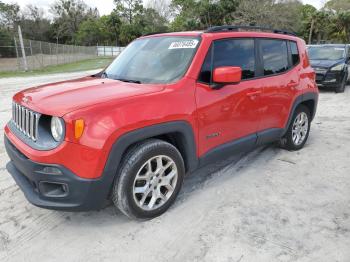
pixel 325 63
pixel 60 98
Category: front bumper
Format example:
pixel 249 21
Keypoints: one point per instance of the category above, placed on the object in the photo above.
pixel 54 186
pixel 329 79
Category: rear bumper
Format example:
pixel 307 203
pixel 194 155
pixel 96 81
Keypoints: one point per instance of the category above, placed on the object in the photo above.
pixel 54 186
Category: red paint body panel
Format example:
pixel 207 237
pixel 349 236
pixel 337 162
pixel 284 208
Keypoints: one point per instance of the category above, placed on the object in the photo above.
pixel 61 98
pixel 83 161
pixel 111 108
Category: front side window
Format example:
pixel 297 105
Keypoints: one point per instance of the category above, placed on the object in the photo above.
pixel 154 60
pixel 275 56
pixel 230 52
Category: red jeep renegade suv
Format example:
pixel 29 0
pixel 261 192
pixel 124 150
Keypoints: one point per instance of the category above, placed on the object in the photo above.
pixel 167 105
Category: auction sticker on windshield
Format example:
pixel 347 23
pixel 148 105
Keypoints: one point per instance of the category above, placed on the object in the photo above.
pixel 184 44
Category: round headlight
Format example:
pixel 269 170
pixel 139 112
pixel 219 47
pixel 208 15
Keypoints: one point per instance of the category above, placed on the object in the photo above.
pixel 57 128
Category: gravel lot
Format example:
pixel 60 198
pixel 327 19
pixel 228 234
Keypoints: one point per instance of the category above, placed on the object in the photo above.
pixel 268 205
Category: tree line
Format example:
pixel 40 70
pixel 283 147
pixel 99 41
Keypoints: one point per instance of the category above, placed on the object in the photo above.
pixel 74 22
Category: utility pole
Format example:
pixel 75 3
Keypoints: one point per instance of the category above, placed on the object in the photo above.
pixel 311 30
pixel 17 55
pixel 25 65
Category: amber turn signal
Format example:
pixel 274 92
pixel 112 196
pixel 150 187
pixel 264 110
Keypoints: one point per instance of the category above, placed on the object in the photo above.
pixel 78 128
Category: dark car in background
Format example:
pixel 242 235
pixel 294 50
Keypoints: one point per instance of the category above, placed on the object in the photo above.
pixel 331 64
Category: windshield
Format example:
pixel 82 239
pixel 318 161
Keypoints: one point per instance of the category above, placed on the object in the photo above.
pixel 326 53
pixel 154 60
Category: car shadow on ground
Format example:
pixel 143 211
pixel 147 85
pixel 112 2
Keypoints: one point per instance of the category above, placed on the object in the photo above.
pixel 193 182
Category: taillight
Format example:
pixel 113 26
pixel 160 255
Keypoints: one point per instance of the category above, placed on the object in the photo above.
pixel 313 75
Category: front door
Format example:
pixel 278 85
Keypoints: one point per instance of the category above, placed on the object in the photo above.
pixel 230 113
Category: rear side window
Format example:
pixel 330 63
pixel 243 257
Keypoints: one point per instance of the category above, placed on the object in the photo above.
pixel 230 52
pixel 275 56
pixel 295 53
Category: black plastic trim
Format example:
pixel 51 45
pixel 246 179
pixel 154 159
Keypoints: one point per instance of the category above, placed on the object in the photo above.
pixel 241 145
pixel 269 136
pixel 83 194
pixel 310 96
pixel 181 128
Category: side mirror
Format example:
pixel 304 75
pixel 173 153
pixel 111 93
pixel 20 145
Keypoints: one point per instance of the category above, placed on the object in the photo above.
pixel 227 75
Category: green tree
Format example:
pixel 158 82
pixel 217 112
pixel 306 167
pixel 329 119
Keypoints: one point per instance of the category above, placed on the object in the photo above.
pixel 9 15
pixel 338 5
pixel 68 15
pixel 90 32
pixel 151 21
pixel 341 26
pixel 283 14
pixel 128 9
pixel 34 25
pixel 7 49
pixel 193 14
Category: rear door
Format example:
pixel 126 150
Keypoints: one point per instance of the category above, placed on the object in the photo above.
pixel 280 79
pixel 231 112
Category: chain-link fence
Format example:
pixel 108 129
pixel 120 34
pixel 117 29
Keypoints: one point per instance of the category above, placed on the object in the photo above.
pixel 38 54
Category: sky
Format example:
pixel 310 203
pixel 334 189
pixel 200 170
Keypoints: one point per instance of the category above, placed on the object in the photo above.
pixel 106 6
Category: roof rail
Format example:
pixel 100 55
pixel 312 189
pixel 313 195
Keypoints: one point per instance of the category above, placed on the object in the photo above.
pixel 154 33
pixel 225 28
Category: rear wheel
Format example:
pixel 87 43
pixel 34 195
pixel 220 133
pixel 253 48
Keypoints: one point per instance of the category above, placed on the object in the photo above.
pixel 149 180
pixel 298 130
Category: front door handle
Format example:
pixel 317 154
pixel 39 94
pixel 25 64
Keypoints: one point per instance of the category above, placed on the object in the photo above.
pixel 254 94
pixel 292 84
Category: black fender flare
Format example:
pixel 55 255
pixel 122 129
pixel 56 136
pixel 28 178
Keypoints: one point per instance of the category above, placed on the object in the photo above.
pixel 181 128
pixel 309 96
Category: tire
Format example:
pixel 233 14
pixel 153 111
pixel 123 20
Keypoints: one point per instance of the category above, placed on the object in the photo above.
pixel 289 140
pixel 149 179
pixel 341 88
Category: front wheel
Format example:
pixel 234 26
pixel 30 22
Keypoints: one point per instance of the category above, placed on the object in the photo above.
pixel 342 86
pixel 298 130
pixel 149 179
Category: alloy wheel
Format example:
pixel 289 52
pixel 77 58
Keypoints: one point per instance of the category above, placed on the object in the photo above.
pixel 300 128
pixel 155 182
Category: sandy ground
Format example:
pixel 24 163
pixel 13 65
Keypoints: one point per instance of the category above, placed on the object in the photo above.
pixel 268 205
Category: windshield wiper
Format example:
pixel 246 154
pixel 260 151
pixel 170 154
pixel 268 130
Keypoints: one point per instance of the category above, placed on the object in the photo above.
pixel 129 80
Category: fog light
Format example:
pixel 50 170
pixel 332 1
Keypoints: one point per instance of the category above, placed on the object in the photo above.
pixel 49 170
pixel 53 189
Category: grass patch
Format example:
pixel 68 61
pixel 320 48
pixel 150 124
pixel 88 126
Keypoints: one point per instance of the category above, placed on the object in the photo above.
pixel 83 65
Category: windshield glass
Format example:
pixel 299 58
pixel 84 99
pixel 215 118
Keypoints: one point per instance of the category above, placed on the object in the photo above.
pixel 326 53
pixel 154 60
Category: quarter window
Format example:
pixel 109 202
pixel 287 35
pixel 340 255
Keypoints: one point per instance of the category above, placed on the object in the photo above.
pixel 275 56
pixel 230 52
pixel 205 74
pixel 295 53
